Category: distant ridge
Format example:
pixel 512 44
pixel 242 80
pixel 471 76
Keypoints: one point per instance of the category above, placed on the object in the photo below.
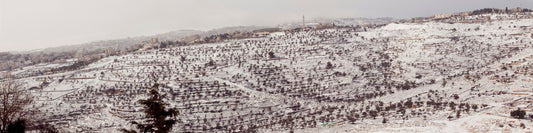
pixel 448 16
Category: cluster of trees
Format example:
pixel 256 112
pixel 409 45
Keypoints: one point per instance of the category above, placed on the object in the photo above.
pixel 496 10
pixel 12 61
pixel 77 65
pixel 232 35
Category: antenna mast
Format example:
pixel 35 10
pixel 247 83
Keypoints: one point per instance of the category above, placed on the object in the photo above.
pixel 303 21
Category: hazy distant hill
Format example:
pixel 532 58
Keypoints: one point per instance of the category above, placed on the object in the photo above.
pixel 339 21
pixel 14 60
pixel 125 42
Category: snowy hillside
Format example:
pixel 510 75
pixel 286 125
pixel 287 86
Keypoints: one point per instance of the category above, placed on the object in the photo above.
pixel 460 76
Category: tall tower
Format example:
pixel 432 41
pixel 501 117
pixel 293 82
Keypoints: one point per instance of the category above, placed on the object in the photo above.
pixel 303 21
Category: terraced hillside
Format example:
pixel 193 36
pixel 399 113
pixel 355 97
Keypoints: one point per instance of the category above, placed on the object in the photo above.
pixel 464 74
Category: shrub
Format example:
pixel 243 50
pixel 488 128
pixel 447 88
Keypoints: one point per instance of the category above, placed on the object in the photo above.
pixel 518 114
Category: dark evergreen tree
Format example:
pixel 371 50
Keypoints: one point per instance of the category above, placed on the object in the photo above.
pixel 158 119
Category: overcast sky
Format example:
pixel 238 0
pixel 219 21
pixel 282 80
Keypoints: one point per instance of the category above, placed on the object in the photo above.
pixel 33 24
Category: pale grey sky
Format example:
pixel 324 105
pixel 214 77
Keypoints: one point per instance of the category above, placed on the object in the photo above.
pixel 32 24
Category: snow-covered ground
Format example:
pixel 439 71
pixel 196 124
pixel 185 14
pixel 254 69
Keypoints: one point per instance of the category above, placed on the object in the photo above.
pixel 400 77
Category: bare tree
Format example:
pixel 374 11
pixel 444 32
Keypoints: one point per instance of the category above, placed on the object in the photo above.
pixel 14 102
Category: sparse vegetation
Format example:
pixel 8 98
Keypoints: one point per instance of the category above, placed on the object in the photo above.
pixel 319 77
